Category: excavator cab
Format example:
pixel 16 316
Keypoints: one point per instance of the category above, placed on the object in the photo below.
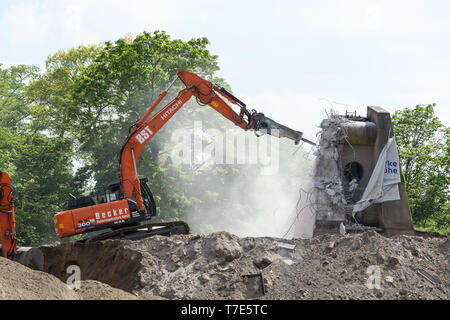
pixel 113 192
pixel 106 209
pixel 75 203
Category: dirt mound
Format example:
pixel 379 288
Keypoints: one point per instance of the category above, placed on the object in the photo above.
pixel 18 282
pixel 95 290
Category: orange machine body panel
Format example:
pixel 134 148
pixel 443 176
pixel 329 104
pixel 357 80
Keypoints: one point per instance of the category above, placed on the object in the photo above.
pixel 7 219
pixel 75 221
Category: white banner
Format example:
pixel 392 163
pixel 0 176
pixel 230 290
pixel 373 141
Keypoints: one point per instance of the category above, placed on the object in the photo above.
pixel 383 184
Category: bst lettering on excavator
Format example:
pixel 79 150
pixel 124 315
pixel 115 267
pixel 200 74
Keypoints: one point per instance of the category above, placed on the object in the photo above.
pixel 144 135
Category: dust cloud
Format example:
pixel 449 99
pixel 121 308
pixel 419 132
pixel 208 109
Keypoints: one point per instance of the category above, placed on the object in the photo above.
pixel 258 202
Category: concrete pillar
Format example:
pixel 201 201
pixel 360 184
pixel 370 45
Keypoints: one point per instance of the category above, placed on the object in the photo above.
pixel 393 216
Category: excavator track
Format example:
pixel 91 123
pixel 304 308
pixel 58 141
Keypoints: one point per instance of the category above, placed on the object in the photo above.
pixel 142 231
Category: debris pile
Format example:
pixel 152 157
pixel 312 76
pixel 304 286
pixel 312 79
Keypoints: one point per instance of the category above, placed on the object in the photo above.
pixel 221 265
pixel 330 199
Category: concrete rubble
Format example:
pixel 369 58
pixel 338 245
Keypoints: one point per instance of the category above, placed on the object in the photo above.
pixel 215 266
pixel 330 197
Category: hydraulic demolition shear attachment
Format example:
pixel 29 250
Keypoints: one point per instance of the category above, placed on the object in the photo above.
pixel 262 124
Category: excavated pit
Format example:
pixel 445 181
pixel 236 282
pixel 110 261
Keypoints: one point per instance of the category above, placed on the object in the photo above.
pixel 212 266
pixel 107 261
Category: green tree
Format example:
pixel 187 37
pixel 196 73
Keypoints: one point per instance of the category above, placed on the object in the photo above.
pixel 423 143
pixel 38 163
pixel 127 77
pixel 43 178
pixel 118 87
pixel 52 93
pixel 14 102
pixel 14 109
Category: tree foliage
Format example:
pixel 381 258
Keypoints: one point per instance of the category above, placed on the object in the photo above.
pixel 39 164
pixel 425 154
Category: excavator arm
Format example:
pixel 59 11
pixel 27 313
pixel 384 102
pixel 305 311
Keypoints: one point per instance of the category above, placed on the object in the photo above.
pixel 144 129
pixel 7 219
pixel 206 93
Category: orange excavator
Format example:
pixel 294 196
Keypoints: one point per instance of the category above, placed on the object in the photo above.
pixel 7 219
pixel 128 204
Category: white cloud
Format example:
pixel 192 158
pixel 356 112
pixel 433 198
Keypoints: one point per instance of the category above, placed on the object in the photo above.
pixel 5 63
pixel 390 53
pixel 23 23
pixel 299 111
pixel 304 111
pixel 376 17
pixel 102 20
pixel 73 22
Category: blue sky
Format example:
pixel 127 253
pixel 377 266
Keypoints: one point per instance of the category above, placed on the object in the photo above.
pixel 290 59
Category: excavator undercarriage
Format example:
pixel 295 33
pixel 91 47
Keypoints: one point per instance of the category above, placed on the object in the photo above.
pixel 141 231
